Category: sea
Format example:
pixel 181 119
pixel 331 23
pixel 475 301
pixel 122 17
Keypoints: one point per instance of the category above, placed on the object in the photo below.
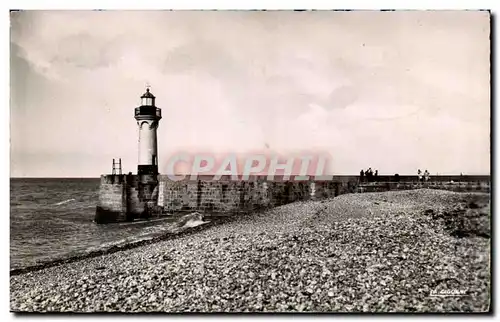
pixel 53 218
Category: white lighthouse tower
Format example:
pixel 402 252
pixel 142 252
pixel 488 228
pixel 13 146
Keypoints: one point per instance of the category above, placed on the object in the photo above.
pixel 148 117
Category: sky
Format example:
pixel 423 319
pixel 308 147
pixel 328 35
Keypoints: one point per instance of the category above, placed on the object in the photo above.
pixel 395 91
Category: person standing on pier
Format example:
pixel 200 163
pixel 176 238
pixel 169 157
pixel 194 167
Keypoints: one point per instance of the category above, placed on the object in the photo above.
pixel 426 175
pixel 369 174
pixel 419 175
pixel 361 176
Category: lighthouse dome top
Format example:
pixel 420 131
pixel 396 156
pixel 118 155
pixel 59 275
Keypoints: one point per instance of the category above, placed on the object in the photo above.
pixel 147 94
pixel 147 99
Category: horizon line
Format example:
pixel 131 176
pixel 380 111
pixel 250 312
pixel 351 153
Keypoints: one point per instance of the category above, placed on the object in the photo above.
pixel 228 175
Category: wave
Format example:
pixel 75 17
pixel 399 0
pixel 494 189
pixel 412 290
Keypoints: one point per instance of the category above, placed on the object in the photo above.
pixel 63 202
pixel 139 222
pixel 119 245
pixel 193 223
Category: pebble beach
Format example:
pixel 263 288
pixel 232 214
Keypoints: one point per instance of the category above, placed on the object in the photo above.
pixel 397 251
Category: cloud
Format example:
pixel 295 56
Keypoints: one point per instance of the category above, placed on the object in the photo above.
pixel 342 97
pixel 337 81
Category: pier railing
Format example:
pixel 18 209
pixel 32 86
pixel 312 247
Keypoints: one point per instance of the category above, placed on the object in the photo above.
pixel 480 186
pixel 148 110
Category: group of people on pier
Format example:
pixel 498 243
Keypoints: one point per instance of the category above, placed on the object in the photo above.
pixel 423 177
pixel 368 175
pixel 372 176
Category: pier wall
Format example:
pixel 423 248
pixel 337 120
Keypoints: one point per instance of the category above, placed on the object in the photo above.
pixel 128 197
pixel 111 205
pixel 228 196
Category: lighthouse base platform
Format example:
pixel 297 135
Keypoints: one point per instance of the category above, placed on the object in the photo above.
pixel 127 198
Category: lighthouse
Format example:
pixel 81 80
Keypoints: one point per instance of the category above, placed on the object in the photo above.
pixel 148 117
pixel 129 197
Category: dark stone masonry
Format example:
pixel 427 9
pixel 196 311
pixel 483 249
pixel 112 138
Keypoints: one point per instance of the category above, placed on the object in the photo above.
pixel 132 197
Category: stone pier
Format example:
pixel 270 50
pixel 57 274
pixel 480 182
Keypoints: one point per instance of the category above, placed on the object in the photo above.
pixel 131 197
